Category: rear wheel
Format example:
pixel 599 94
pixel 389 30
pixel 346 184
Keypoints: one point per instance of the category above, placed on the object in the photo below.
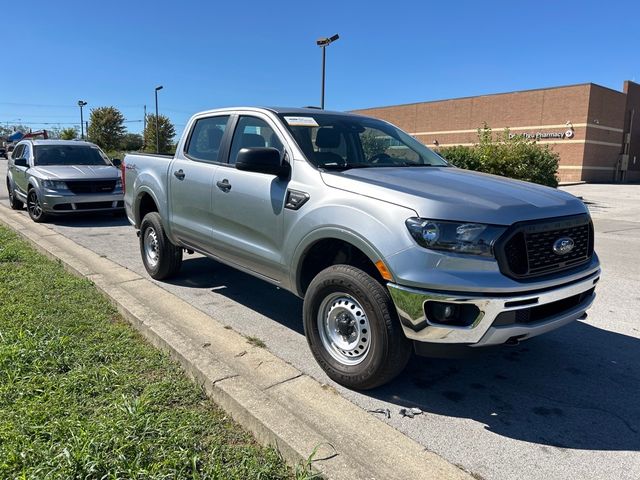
pixel 161 258
pixel 34 207
pixel 14 203
pixel 352 328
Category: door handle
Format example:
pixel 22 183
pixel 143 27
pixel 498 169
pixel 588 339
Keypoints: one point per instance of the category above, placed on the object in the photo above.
pixel 179 174
pixel 224 185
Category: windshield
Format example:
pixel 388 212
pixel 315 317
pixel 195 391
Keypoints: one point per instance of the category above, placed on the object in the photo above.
pixel 69 155
pixel 342 142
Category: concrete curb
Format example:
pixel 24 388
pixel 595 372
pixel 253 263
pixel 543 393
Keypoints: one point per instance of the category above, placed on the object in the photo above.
pixel 279 404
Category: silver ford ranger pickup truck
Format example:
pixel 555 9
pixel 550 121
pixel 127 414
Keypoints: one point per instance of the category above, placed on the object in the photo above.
pixel 391 248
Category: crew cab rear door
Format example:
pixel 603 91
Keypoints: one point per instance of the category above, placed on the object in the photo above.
pixel 249 206
pixel 191 179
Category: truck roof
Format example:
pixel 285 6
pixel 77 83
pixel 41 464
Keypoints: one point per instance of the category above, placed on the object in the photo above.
pixel 283 110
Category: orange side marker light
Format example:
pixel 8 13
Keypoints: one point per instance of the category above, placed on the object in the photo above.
pixel 382 268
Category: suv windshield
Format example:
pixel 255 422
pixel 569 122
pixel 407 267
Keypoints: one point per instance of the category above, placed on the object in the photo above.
pixel 343 141
pixel 69 155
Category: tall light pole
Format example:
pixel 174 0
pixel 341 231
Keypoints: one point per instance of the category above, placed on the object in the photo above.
pixel 159 87
pixel 81 103
pixel 323 43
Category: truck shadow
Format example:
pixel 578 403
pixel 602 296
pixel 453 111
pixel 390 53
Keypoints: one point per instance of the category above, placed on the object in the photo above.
pixel 576 388
pixel 262 297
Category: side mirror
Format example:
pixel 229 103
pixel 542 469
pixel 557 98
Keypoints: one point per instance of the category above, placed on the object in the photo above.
pixel 20 162
pixel 116 162
pixel 261 160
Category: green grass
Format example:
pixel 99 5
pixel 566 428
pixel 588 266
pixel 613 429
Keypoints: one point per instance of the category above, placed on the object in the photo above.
pixel 256 342
pixel 82 395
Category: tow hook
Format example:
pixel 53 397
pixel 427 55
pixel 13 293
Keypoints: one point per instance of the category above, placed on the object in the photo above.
pixel 513 342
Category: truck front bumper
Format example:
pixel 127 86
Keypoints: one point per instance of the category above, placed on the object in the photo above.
pixel 498 317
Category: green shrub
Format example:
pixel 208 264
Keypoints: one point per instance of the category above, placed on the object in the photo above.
pixel 515 157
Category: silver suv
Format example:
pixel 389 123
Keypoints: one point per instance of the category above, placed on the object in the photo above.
pixel 61 177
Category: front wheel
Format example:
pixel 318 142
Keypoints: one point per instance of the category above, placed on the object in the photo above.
pixel 161 258
pixel 352 328
pixel 14 203
pixel 34 207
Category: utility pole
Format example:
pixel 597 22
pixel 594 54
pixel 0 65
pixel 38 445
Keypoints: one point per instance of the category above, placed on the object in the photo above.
pixel 324 43
pixel 159 87
pixel 82 103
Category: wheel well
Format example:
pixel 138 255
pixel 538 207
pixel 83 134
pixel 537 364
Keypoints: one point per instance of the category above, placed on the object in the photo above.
pixel 146 205
pixel 331 251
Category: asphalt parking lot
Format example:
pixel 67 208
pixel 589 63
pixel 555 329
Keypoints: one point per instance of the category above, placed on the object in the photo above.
pixel 564 405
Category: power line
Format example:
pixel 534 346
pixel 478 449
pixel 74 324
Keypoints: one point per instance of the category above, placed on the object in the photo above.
pixel 56 123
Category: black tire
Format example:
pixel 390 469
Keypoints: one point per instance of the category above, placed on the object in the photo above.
pixel 385 349
pixel 34 207
pixel 14 203
pixel 168 257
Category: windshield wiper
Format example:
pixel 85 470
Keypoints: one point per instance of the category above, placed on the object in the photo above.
pixel 346 166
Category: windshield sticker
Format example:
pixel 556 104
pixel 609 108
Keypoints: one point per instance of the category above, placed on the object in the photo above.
pixel 301 121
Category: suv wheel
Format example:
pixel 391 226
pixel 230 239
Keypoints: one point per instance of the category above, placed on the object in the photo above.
pixel 352 328
pixel 34 207
pixel 14 203
pixel 161 258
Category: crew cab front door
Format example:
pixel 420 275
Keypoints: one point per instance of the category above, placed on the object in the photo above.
pixel 248 206
pixel 19 174
pixel 191 179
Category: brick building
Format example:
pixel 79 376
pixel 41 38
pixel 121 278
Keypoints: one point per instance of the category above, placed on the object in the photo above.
pixel 594 129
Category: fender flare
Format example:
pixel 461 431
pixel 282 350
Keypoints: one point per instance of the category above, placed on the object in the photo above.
pixel 327 233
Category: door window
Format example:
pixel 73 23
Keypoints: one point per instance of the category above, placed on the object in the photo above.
pixel 17 152
pixel 26 152
pixel 206 138
pixel 253 132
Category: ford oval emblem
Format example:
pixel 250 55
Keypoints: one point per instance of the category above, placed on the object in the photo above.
pixel 563 245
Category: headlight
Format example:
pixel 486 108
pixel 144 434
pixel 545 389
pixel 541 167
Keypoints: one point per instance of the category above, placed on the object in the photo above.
pixel 470 238
pixel 54 184
pixel 118 183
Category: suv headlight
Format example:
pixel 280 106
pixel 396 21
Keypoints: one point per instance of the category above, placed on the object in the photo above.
pixel 54 184
pixel 119 184
pixel 458 237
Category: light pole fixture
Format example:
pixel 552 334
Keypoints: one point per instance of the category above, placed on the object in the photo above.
pixel 323 43
pixel 159 87
pixel 81 103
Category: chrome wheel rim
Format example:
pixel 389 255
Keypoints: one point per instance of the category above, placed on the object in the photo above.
pixel 33 204
pixel 344 329
pixel 151 247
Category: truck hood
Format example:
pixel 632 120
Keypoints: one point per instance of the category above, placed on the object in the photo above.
pixel 447 193
pixel 75 172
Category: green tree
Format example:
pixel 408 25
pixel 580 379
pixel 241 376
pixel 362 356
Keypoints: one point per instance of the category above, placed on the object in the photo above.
pixel 371 145
pixel 106 127
pixel 508 156
pixel 131 141
pixel 166 133
pixel 70 133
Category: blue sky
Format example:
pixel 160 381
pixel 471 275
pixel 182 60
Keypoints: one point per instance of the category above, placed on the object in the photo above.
pixel 209 54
